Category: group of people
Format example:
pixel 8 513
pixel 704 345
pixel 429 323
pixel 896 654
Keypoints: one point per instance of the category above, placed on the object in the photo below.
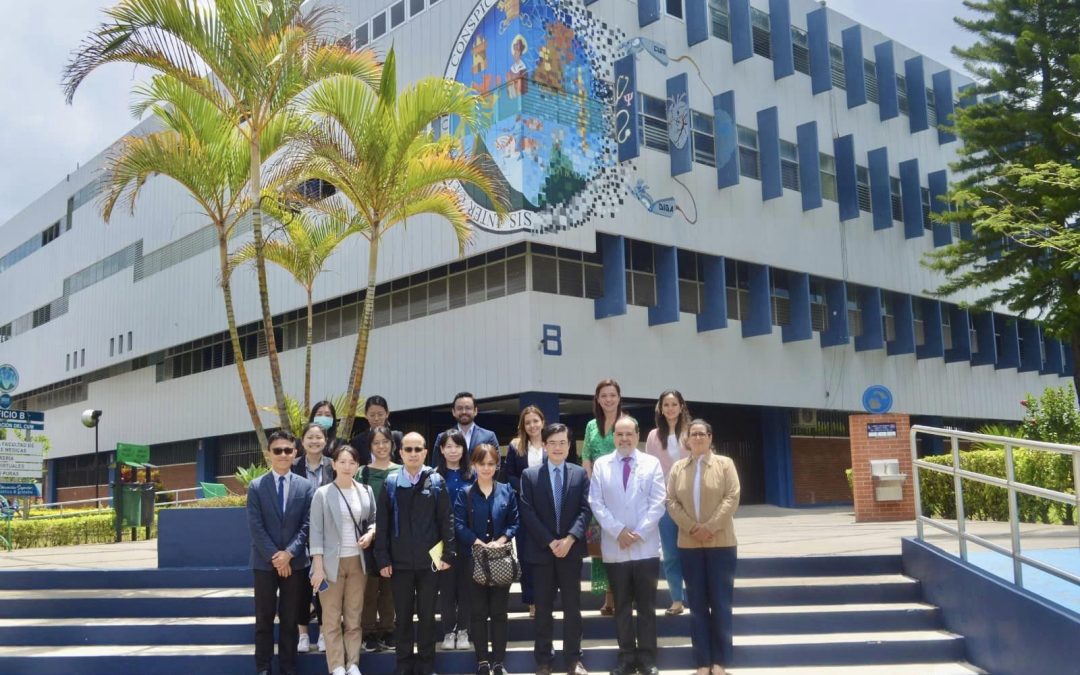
pixel 375 532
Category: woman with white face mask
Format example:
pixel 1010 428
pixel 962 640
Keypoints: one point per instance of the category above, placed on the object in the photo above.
pixel 324 414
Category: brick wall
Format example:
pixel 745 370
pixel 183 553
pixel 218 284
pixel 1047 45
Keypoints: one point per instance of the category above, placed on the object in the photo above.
pixel 864 449
pixel 71 494
pixel 818 466
pixel 173 477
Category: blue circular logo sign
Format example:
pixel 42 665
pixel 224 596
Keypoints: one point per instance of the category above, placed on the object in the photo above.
pixel 9 378
pixel 877 400
pixel 5 401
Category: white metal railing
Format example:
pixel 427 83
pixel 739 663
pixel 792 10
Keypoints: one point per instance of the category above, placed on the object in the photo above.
pixel 1009 483
pixel 107 499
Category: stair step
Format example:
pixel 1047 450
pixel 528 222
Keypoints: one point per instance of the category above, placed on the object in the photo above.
pixel 957 668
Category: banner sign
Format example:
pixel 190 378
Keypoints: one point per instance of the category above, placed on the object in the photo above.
pixel 626 108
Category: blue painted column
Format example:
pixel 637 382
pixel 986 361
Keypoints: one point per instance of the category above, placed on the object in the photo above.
pixel 967 95
pixel 713 313
pixel 783 56
pixel 817 37
pixel 51 494
pixel 799 302
pixel 726 141
pixel 681 156
pixel 546 401
pixel 613 301
pixel 809 166
pixel 873 334
pixel 836 326
pixel 938 183
pixel 768 122
pixel 626 108
pixel 914 72
pixel 779 475
pixel 885 68
pixel 206 455
pixel 911 196
pixel 648 11
pixel 1009 355
pixel 961 336
pixel 854 74
pixel 904 323
pixel 742 37
pixel 697 21
pixel 666 309
pixel 943 102
pixel 983 323
pixel 1052 346
pixel 1068 366
pixel 846 177
pixel 1030 354
pixel 880 188
pixel 759 320
pixel 933 345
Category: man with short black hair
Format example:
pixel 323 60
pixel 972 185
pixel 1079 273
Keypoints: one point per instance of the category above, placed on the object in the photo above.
pixel 555 509
pixel 464 410
pixel 278 503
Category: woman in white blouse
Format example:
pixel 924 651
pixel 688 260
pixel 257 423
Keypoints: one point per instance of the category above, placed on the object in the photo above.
pixel 526 450
pixel 342 527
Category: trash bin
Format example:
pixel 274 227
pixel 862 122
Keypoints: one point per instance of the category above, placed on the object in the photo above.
pixel 147 494
pixel 129 509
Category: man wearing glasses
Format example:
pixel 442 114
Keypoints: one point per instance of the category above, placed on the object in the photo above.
pixel 412 518
pixel 278 504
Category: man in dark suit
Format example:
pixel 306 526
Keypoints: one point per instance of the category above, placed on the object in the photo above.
pixel 555 509
pixel 278 503
pixel 464 411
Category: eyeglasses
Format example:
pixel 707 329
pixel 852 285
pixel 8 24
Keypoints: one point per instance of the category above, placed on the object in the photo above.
pixel 699 434
pixel 412 449
pixel 283 450
pixel 488 464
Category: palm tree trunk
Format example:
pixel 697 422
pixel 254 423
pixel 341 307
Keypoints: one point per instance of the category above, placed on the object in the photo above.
pixel 307 356
pixel 264 294
pixel 234 337
pixel 367 316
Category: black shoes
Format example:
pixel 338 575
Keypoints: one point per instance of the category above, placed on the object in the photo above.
pixel 371 643
pixel 483 668
pixel 498 669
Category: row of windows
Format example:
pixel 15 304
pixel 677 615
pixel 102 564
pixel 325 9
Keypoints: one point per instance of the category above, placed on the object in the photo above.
pixel 50 233
pixel 387 20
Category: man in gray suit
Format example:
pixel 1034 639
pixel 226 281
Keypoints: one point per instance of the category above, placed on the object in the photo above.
pixel 278 503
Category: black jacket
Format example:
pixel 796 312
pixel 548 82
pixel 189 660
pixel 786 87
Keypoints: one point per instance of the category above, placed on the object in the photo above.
pixel 412 519
pixel 537 506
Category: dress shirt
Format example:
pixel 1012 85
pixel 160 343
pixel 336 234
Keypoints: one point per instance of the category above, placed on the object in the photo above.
pixel 536 455
pixel 414 479
pixel 697 488
pixel 637 507
pixel 468 437
pixel 314 474
pixel 674 450
pixel 288 480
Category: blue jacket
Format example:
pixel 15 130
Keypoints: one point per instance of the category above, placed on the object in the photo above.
pixel 513 466
pixel 504 514
pixel 273 531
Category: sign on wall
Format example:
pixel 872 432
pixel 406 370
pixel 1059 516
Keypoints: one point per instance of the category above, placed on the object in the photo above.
pixel 21 459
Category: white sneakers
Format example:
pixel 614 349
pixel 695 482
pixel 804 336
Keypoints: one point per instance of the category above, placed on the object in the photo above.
pixel 322 642
pixel 463 640
pixel 450 641
pixel 339 671
pixel 303 645
pixel 353 670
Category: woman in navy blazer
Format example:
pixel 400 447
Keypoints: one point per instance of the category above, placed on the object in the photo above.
pixel 527 449
pixel 486 514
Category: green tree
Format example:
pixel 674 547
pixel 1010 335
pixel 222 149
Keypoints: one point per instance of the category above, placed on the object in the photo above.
pixel 378 149
pixel 250 59
pixel 1022 251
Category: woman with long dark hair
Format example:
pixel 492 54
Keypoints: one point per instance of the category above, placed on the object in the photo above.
pixel 667 442
pixel 377 413
pixel 324 414
pixel 527 449
pixel 600 441
pixel 377 620
pixel 454 583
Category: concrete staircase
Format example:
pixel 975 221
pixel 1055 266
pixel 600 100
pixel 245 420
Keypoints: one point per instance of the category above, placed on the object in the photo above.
pixel 793 616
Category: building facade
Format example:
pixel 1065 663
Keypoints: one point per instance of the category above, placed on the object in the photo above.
pixel 727 197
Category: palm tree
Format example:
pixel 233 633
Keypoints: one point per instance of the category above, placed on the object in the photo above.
pixel 250 59
pixel 200 149
pixel 308 241
pixel 378 150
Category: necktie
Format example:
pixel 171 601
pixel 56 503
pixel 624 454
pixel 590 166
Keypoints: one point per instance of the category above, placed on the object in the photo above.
pixel 558 498
pixel 625 471
pixel 281 493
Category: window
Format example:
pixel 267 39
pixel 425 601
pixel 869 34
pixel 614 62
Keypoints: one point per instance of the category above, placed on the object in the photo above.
pixel 50 233
pixel 674 8
pixel 397 14
pixel 918 321
pixel 870 75
pixel 901 93
pixel 129 341
pixel 82 356
pixel 819 309
pixel 862 187
pixel 931 108
pixel 112 346
pixel 415 7
pixel 564 272
pixel 67 361
pixel 720 19
pixel 749 160
pixel 5 332
pixel 691 282
pixel 640 277
pixel 800 47
pixel 121 341
pixel 789 165
pixel 854 311
pixel 888 316
pixel 360 38
pixel 378 26
pixel 828 176
pixel 927 223
pixel 737 286
pixel 973 335
pixel 654 133
pixel 897 202
pixel 836 66
pixel 779 298
pixel 42 315
pixel 704 148
pixel 759 25
pixel 946 327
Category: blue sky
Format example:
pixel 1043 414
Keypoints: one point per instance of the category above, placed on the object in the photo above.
pixel 43 138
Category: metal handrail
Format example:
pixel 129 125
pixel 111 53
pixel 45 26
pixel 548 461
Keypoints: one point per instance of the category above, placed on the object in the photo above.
pixel 1009 483
pixel 176 501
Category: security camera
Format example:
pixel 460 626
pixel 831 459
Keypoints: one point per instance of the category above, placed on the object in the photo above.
pixel 90 418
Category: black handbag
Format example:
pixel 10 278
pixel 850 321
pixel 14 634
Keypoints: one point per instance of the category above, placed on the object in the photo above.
pixel 368 554
pixel 492 566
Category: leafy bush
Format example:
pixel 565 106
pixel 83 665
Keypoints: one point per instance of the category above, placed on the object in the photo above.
pixel 217 502
pixel 245 475
pixel 67 531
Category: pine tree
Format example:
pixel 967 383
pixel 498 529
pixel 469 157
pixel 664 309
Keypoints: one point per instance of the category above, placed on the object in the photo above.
pixel 1024 243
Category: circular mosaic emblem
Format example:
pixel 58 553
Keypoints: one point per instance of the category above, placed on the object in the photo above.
pixel 9 378
pixel 542 69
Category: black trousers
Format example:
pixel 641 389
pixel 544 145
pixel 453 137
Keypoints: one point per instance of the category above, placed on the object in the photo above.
pixel 303 606
pixel 634 583
pixel 277 596
pixel 563 575
pixel 455 584
pixel 414 593
pixel 489 602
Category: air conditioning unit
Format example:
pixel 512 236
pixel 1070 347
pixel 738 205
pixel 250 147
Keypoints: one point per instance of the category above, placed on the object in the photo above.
pixel 807 417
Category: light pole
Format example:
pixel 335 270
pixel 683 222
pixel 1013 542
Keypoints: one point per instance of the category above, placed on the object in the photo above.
pixel 90 420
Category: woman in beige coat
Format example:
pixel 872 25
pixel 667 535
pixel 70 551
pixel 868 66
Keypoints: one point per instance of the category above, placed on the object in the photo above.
pixel 703 493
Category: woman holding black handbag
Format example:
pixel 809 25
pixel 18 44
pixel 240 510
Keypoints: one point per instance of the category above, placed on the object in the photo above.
pixel 485 521
pixel 342 529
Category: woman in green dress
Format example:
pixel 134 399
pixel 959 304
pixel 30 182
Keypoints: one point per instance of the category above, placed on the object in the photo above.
pixel 599 441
